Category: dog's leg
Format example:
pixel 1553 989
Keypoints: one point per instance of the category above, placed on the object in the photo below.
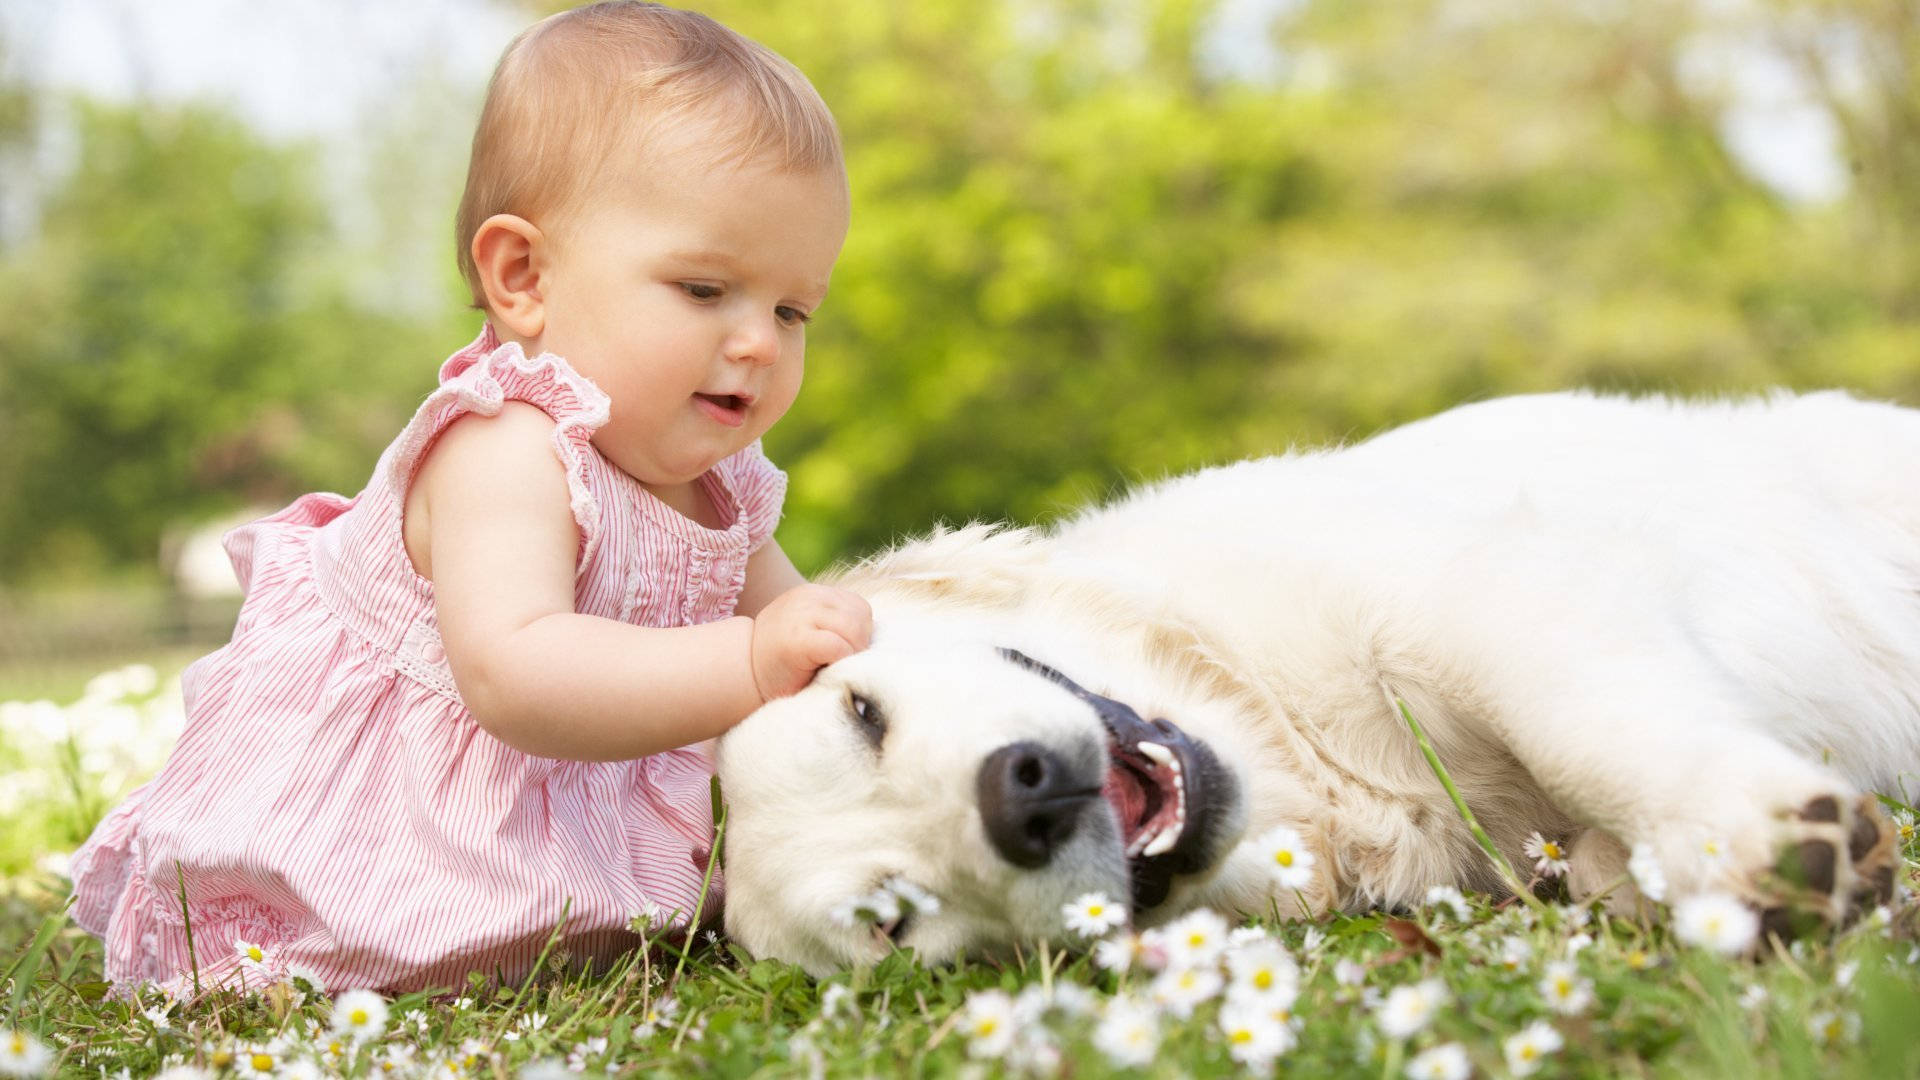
pixel 1655 752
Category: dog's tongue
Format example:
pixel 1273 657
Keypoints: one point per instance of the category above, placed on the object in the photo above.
pixel 1125 792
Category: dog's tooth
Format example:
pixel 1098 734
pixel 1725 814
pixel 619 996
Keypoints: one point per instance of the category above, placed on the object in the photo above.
pixel 1164 842
pixel 1157 753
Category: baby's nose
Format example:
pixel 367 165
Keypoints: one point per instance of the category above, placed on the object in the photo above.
pixel 757 342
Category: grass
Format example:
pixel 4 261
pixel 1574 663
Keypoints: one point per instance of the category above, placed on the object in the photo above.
pixel 1686 1014
pixel 1835 1007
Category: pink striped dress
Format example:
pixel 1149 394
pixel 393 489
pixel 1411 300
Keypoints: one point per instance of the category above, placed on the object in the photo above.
pixel 333 802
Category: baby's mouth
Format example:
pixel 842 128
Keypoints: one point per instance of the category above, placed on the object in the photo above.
pixel 728 409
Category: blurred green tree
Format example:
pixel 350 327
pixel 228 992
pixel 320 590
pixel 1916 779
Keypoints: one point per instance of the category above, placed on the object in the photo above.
pixel 1095 243
pixel 1092 243
pixel 175 345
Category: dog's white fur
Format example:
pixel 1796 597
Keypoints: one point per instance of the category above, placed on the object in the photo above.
pixel 1618 621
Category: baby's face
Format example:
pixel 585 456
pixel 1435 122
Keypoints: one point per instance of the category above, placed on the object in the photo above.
pixel 684 295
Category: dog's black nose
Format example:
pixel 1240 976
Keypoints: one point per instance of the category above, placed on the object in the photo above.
pixel 1030 802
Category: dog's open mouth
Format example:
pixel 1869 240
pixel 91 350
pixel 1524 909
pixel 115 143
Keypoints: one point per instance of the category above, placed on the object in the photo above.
pixel 1168 791
pixel 1163 787
pixel 1148 790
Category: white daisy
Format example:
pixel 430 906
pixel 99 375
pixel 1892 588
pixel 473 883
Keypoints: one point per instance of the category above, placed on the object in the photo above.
pixel 1348 972
pixel 1407 1009
pixel 1117 953
pixel 1093 915
pixel 1246 935
pixel 1550 856
pixel 1196 939
pixel 1515 952
pixel 1753 997
pixel 835 999
pixel 256 1061
pixel 1061 999
pixel 305 978
pixel 990 1024
pixel 255 958
pixel 360 1015
pixel 1264 969
pixel 1525 1048
pixel 1254 1038
pixel 1180 989
pixel 1566 992
pixel 1833 1028
pixel 1448 1061
pixel 1716 921
pixel 23 1055
pixel 1449 898
pixel 1034 1054
pixel 644 921
pixel 1644 865
pixel 911 896
pixel 544 1069
pixel 1286 857
pixel 1129 1033
pixel 658 1015
pixel 158 1017
pixel 871 909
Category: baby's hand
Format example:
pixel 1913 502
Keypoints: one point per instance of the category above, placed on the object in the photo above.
pixel 803 630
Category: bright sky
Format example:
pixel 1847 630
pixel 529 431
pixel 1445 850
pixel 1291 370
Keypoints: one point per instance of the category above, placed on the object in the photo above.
pixel 301 68
pixel 293 67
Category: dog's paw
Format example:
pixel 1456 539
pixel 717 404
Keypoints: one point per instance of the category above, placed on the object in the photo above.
pixel 1833 858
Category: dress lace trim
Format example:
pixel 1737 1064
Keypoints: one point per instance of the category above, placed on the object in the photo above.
pixel 479 389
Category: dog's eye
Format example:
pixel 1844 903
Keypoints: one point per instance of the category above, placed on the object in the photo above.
pixel 866 714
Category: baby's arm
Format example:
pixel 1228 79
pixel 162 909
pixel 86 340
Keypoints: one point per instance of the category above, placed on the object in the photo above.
pixel 500 545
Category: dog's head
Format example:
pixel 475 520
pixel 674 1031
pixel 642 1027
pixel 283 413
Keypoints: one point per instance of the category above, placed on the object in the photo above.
pixel 954 797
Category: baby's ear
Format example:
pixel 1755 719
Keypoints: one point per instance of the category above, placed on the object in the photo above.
pixel 509 252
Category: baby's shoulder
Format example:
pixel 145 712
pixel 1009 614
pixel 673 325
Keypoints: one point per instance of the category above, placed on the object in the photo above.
pixel 484 466
pixel 489 451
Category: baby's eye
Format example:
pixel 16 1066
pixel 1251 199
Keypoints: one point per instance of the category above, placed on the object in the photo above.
pixel 700 291
pixel 792 316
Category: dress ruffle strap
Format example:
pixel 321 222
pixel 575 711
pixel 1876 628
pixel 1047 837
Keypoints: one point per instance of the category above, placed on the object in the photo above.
pixel 761 489
pixel 482 378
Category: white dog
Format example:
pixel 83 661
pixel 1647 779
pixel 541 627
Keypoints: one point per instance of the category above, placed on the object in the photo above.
pixel 1694 627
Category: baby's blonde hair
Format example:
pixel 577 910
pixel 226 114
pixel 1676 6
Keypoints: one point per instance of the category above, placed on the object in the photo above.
pixel 578 88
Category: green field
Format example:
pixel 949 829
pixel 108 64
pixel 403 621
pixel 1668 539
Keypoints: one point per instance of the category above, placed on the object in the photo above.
pixel 1437 990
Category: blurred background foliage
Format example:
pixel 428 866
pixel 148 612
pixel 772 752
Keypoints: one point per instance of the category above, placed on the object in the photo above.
pixel 1094 241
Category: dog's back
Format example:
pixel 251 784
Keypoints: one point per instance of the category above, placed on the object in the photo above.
pixel 1780 537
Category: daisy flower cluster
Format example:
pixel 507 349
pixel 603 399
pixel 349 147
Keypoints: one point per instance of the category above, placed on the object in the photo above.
pixel 1240 983
pixel 115 736
pixel 884 905
pixel 356 1033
